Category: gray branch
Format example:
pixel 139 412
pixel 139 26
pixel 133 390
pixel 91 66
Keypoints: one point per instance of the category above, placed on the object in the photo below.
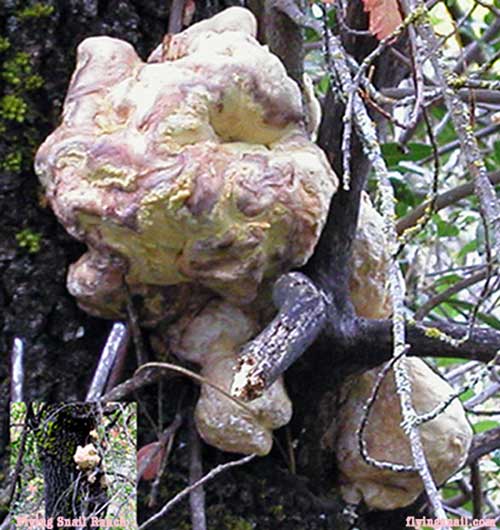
pixel 301 317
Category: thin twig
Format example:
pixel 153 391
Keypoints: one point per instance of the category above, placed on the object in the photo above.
pixel 372 149
pixel 351 91
pixel 17 375
pixel 472 51
pixel 161 368
pixel 186 491
pixel 483 444
pixel 340 12
pixel 460 116
pixel 133 320
pixel 370 402
pixel 196 495
pixel 489 130
pixel 175 17
pixel 433 195
pixel 155 488
pixel 461 370
pixel 445 403
pixel 19 460
pixel 418 80
pixel 116 345
pixel 424 309
pixel 143 378
pixel 402 96
pixel 477 493
pixel 443 200
pixel 483 396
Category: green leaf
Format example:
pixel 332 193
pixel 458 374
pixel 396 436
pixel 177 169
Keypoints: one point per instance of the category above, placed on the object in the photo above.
pixel 448 361
pixel 487 318
pixel 394 153
pixel 444 228
pixel 466 395
pixel 469 247
pixel 496 152
pixel 485 425
pixel 447 280
pixel 324 84
pixel 449 491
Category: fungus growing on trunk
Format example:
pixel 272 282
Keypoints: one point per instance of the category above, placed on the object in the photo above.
pixel 194 183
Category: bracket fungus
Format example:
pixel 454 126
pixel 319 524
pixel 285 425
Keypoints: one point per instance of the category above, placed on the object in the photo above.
pixel 191 178
pixel 194 167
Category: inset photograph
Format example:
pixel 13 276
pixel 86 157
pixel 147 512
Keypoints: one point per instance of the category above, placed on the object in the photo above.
pixel 73 465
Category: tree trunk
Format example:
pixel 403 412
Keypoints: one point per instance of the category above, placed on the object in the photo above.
pixel 59 430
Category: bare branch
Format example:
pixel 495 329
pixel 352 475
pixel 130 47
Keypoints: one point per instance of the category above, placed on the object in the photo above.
pixel 140 379
pixel 477 494
pixel 473 50
pixel 299 321
pixel 483 444
pixel 460 116
pixel 448 293
pixel 483 396
pixel 434 94
pixel 135 328
pixel 20 454
pixel 175 17
pixel 197 495
pixel 375 338
pixel 489 130
pixel 398 468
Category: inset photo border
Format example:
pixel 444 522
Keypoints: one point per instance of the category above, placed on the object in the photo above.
pixel 73 465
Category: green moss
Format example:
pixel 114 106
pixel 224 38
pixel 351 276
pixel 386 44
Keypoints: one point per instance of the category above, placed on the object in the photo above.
pixel 13 108
pixel 16 68
pixel 29 240
pixel 4 44
pixel 37 10
pixel 13 162
pixel 232 522
pixel 278 512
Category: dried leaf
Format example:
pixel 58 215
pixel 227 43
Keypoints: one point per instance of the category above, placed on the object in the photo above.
pixel 385 16
pixel 154 453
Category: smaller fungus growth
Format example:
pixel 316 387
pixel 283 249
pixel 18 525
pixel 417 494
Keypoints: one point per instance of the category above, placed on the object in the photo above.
pixel 86 457
pixel 446 438
pixel 211 339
